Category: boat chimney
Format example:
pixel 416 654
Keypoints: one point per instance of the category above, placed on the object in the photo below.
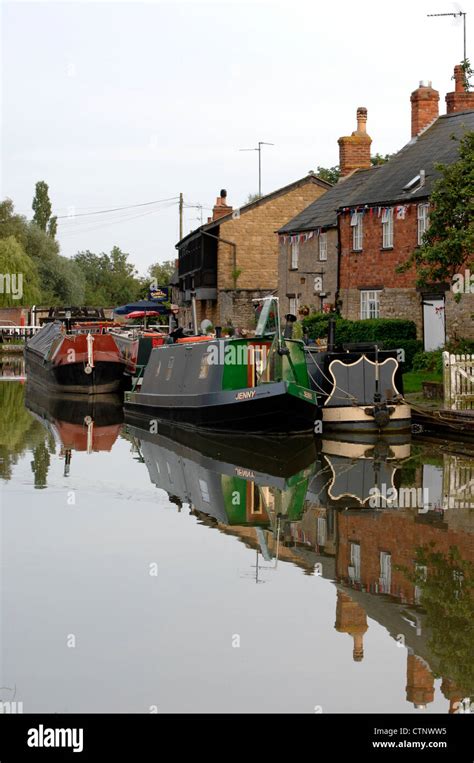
pixel 290 319
pixel 331 334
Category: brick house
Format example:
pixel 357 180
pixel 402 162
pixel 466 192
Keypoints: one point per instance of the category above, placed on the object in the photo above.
pixel 308 263
pixel 385 219
pixel 233 258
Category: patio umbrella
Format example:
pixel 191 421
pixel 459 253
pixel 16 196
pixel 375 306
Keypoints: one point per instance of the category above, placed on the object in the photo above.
pixel 142 305
pixel 142 314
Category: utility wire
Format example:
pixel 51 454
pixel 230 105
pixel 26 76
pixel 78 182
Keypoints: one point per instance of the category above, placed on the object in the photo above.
pixel 116 209
pixel 108 219
pixel 113 222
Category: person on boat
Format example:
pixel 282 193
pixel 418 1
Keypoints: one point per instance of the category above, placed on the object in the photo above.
pixel 174 323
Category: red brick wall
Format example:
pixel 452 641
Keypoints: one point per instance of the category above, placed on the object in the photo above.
pixel 398 533
pixel 374 265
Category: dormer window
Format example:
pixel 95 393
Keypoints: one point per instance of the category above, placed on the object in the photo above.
pixel 414 182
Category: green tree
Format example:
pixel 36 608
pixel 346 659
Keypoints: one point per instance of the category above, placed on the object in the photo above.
pixel 448 243
pixel 53 227
pixel 161 272
pixel 109 278
pixel 12 224
pixel 42 208
pixel 329 174
pixel 62 282
pixel 378 159
pixel 253 197
pixel 19 282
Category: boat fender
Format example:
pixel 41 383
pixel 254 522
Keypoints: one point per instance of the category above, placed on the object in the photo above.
pixel 88 369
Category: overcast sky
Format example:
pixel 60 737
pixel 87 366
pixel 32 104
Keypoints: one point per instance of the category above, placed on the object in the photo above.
pixel 122 103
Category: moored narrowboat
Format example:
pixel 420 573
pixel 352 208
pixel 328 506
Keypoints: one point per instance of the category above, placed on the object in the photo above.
pixel 361 387
pixel 257 384
pixel 76 361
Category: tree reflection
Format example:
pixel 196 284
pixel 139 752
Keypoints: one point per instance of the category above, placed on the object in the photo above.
pixel 445 583
pixel 20 431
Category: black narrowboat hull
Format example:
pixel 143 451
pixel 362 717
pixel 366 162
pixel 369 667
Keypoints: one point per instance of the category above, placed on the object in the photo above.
pixel 270 409
pixel 279 457
pixel 104 377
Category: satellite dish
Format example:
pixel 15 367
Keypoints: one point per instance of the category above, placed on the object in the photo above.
pixel 206 326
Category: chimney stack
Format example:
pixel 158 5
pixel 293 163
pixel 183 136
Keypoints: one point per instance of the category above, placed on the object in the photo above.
pixel 221 207
pixel 424 107
pixel 461 99
pixel 354 150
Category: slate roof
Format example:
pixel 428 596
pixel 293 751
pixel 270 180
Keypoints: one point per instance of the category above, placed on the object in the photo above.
pixel 311 178
pixel 384 184
pixel 322 212
pixel 433 146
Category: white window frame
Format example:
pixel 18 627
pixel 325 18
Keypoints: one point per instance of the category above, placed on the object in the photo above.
pixel 294 304
pixel 357 231
pixel 369 304
pixel 354 567
pixel 321 531
pixel 295 251
pixel 387 228
pixel 385 571
pixel 204 488
pixel 422 217
pixel 323 246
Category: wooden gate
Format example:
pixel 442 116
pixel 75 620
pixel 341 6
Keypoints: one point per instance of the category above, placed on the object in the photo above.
pixel 458 381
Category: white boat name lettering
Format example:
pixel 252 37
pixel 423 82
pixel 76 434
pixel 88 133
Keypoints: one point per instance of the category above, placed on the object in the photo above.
pixel 247 395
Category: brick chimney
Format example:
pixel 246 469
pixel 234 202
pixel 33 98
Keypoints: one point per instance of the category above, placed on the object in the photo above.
pixel 221 207
pixel 461 99
pixel 424 107
pixel 354 150
pixel 420 682
pixel 351 618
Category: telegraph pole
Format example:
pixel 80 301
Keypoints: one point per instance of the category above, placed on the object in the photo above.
pixel 181 205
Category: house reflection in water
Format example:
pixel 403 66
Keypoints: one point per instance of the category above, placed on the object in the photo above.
pixel 407 565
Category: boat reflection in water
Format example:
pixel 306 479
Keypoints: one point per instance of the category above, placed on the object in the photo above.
pixel 392 531
pixel 78 423
pixel 235 480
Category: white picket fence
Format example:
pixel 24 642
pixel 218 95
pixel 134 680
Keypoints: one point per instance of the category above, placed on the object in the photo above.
pixel 458 482
pixel 458 381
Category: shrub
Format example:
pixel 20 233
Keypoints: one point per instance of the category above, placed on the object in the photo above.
pixel 386 330
pixel 317 324
pixel 461 347
pixel 411 347
pixel 428 361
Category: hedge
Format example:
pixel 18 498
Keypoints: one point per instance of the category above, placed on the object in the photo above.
pixel 392 334
pixel 381 329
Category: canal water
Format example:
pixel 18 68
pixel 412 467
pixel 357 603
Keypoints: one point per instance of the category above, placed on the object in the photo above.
pixel 145 569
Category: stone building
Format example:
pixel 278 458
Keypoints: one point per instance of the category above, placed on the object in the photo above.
pixel 385 220
pixel 233 258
